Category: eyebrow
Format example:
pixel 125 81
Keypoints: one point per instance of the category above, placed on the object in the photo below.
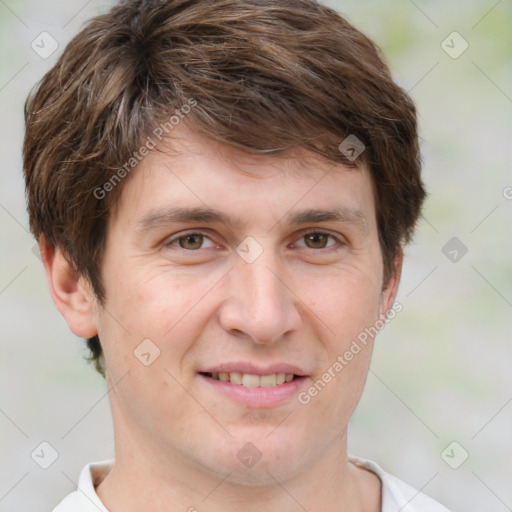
pixel 159 218
pixel 340 214
pixel 163 217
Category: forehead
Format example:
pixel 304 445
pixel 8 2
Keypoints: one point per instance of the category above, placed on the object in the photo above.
pixel 192 171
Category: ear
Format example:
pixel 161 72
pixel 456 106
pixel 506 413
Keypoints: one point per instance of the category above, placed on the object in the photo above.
pixel 390 288
pixel 70 293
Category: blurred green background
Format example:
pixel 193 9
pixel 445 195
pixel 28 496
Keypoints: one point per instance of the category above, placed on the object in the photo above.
pixel 442 368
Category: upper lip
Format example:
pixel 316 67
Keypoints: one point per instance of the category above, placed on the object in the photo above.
pixel 254 369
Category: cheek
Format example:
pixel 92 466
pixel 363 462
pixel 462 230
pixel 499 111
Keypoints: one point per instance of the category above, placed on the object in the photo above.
pixel 349 306
pixel 169 315
pixel 152 301
pixel 347 302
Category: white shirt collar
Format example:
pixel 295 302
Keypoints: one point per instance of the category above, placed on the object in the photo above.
pixel 396 495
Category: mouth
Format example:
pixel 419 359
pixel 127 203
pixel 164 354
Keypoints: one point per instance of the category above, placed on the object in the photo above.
pixel 251 380
pixel 255 386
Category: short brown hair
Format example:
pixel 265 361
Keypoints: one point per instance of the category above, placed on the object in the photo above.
pixel 265 76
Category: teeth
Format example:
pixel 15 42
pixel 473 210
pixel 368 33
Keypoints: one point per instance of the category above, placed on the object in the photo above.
pixel 267 381
pixel 250 381
pixel 234 377
pixel 253 381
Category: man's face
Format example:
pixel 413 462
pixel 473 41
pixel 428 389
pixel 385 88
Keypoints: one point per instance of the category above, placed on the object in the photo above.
pixel 239 269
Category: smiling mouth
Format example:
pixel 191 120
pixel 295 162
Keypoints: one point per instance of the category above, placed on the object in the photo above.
pixel 249 380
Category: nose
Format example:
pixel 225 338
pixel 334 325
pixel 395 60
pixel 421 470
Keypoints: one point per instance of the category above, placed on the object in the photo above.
pixel 261 304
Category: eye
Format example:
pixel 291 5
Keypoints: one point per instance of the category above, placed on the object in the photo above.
pixel 191 241
pixel 318 240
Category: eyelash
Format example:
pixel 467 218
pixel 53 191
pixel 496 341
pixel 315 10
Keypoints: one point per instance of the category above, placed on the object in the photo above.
pixel 174 239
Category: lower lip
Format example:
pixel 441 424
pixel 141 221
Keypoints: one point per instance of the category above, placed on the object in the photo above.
pixel 260 396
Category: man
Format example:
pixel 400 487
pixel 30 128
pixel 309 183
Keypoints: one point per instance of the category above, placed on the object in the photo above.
pixel 221 192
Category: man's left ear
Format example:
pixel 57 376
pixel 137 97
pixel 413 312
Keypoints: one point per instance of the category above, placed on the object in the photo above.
pixel 390 289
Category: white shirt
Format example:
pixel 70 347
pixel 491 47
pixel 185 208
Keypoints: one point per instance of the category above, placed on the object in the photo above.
pixel 397 496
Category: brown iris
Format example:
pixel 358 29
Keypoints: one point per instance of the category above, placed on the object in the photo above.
pixel 316 240
pixel 191 241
